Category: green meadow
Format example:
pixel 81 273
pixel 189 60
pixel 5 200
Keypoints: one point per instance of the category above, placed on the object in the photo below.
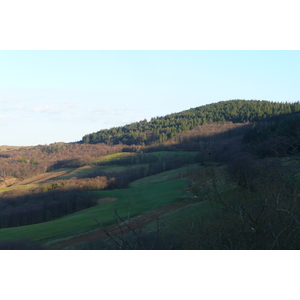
pixel 165 176
pixel 134 201
pixel 143 195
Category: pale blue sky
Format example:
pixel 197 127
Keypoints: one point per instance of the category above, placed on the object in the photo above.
pixel 53 96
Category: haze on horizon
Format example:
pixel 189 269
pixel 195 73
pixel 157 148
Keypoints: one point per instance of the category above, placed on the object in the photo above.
pixel 59 96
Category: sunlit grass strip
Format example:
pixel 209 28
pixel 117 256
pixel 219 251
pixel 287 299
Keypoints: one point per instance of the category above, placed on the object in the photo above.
pixel 165 176
pixel 82 171
pixel 114 156
pixel 28 186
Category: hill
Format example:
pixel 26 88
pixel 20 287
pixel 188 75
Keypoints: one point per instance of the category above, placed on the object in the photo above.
pixel 162 129
pixel 229 183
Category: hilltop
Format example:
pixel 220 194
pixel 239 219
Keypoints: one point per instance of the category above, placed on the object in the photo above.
pixel 162 129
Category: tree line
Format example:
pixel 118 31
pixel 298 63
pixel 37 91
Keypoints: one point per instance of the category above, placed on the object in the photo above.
pixel 43 207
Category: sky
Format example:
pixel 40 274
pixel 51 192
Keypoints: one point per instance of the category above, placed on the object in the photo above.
pixel 74 71
pixel 60 95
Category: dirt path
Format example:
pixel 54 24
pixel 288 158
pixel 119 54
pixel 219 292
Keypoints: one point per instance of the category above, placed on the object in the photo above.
pixel 42 178
pixel 137 222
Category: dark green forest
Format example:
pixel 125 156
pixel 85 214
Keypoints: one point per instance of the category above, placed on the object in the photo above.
pixel 162 129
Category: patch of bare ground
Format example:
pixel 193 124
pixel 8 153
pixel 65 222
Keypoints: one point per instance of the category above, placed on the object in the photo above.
pixel 42 178
pixel 7 181
pixel 136 222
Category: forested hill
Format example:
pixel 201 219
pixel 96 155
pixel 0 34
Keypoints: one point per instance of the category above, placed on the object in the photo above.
pixel 161 129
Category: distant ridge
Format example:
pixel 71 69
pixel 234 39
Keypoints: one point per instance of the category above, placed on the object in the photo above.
pixel 9 148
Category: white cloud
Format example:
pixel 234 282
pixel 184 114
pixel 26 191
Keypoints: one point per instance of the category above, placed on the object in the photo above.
pixel 67 113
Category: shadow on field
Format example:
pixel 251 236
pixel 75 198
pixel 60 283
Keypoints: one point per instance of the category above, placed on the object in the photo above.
pixel 21 244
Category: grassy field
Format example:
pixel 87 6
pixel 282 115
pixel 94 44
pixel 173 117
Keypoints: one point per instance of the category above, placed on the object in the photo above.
pixel 165 176
pixel 82 171
pixel 174 220
pixel 78 172
pixel 113 157
pixel 28 186
pixel 199 206
pixel 136 200
pixel 186 156
pixel 67 173
pixel 44 177
pixel 143 195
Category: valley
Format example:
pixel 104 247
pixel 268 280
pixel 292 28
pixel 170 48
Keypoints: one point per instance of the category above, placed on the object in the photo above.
pixel 223 184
